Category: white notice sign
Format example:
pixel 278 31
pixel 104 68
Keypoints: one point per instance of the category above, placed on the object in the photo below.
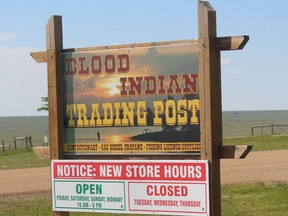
pixel 144 187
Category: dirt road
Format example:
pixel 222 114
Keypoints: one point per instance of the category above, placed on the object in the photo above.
pixel 266 166
pixel 269 166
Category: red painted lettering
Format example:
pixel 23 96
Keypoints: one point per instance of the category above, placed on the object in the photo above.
pixel 123 63
pixel 109 64
pixel 96 64
pixel 70 64
pixel 82 71
pixel 166 190
pixel 88 64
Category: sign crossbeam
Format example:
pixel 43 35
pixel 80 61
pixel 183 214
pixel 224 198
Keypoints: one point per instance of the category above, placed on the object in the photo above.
pixel 223 43
pixel 41 56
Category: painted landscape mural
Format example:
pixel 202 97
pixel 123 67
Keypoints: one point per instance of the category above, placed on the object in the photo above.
pixel 135 100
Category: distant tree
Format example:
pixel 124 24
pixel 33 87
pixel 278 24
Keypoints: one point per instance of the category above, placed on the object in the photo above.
pixel 44 107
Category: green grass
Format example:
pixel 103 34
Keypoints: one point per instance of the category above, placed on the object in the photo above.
pixel 255 199
pixel 25 205
pixel 250 200
pixel 260 143
pixel 20 158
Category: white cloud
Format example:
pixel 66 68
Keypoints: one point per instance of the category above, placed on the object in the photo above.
pixel 23 81
pixel 226 60
pixel 7 37
pixel 16 61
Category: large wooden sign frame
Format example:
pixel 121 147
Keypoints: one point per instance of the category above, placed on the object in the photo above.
pixel 209 68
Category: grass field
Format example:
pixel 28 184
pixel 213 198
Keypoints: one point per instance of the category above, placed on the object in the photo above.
pixel 237 200
pixel 20 158
pixel 255 199
pixel 260 143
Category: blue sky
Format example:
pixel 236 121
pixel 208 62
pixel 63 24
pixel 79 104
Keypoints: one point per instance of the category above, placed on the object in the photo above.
pixel 254 78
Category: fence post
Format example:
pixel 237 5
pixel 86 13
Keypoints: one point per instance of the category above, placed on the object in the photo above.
pixel 272 131
pixel 3 145
pixel 30 139
pixel 15 145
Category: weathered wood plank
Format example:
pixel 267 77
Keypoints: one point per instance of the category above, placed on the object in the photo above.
pixel 235 152
pixel 54 44
pixel 231 43
pixel 41 57
pixel 210 100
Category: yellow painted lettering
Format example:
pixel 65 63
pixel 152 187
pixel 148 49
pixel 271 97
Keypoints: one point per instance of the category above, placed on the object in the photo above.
pixel 71 110
pixel 108 114
pixel 182 112
pixel 158 110
pixel 82 116
pixel 95 116
pixel 128 113
pixel 170 111
pixel 141 113
pixel 194 105
pixel 117 121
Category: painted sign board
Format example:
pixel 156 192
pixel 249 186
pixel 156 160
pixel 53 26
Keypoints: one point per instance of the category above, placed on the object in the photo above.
pixel 133 100
pixel 179 187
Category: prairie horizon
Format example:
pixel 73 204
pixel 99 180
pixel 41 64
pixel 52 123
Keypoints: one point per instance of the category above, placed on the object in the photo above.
pixel 235 123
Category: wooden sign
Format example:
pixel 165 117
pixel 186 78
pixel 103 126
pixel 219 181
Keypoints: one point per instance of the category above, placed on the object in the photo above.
pixel 141 100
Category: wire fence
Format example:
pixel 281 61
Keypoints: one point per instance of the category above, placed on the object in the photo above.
pixel 271 129
pixel 18 142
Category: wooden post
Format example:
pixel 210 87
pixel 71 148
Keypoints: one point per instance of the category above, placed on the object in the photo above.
pixel 54 44
pixel 3 146
pixel 30 140
pixel 210 100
